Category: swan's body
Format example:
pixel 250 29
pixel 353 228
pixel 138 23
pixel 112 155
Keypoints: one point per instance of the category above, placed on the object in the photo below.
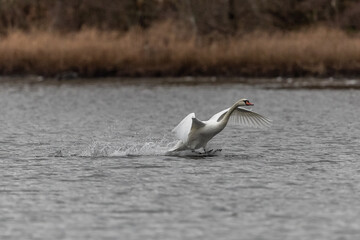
pixel 194 133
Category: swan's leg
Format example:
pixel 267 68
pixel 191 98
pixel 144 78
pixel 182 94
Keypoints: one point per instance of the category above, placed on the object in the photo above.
pixel 199 152
pixel 194 151
pixel 204 148
pixel 208 151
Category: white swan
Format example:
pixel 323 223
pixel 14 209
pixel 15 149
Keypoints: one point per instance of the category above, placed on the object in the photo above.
pixel 194 133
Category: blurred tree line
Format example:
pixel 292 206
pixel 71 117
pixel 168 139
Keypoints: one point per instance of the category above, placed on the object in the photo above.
pixel 202 16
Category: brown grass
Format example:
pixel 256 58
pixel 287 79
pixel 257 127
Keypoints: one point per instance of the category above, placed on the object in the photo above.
pixel 165 50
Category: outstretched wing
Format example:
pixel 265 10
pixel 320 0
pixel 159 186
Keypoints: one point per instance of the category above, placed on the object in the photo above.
pixel 244 117
pixel 183 128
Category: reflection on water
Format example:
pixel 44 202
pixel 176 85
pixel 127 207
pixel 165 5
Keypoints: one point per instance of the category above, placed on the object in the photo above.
pixel 89 162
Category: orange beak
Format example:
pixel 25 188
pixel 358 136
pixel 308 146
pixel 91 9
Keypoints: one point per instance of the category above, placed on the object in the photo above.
pixel 249 104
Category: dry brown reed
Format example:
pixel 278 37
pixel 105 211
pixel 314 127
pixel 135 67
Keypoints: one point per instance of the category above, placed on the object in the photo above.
pixel 165 50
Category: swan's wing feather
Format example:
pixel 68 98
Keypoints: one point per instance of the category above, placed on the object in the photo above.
pixel 183 128
pixel 196 124
pixel 248 118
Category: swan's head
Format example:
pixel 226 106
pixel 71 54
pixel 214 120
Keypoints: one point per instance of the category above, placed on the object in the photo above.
pixel 244 102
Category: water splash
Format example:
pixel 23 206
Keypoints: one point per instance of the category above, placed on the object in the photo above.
pixel 140 148
pixel 146 147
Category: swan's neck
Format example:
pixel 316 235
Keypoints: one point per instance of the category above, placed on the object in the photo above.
pixel 228 114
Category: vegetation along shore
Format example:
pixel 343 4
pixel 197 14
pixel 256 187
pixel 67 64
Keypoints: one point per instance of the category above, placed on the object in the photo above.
pixel 174 38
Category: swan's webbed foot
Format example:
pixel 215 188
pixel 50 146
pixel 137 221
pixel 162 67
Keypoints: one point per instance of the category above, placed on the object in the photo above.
pixel 212 151
pixel 200 153
pixel 206 152
pixel 217 150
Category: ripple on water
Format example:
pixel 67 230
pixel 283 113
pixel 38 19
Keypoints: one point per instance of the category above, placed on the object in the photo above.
pixel 90 162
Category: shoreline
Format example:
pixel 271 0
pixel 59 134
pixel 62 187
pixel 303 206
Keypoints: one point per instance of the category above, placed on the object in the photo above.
pixel 267 83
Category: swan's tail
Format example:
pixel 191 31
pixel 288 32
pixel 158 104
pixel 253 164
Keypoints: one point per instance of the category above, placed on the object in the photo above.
pixel 180 146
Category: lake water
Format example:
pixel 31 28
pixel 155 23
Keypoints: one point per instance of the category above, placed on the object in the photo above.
pixel 87 161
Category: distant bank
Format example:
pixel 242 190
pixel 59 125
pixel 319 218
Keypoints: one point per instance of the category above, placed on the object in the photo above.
pixel 165 51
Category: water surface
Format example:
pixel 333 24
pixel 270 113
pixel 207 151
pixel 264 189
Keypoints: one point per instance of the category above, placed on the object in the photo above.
pixel 88 162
